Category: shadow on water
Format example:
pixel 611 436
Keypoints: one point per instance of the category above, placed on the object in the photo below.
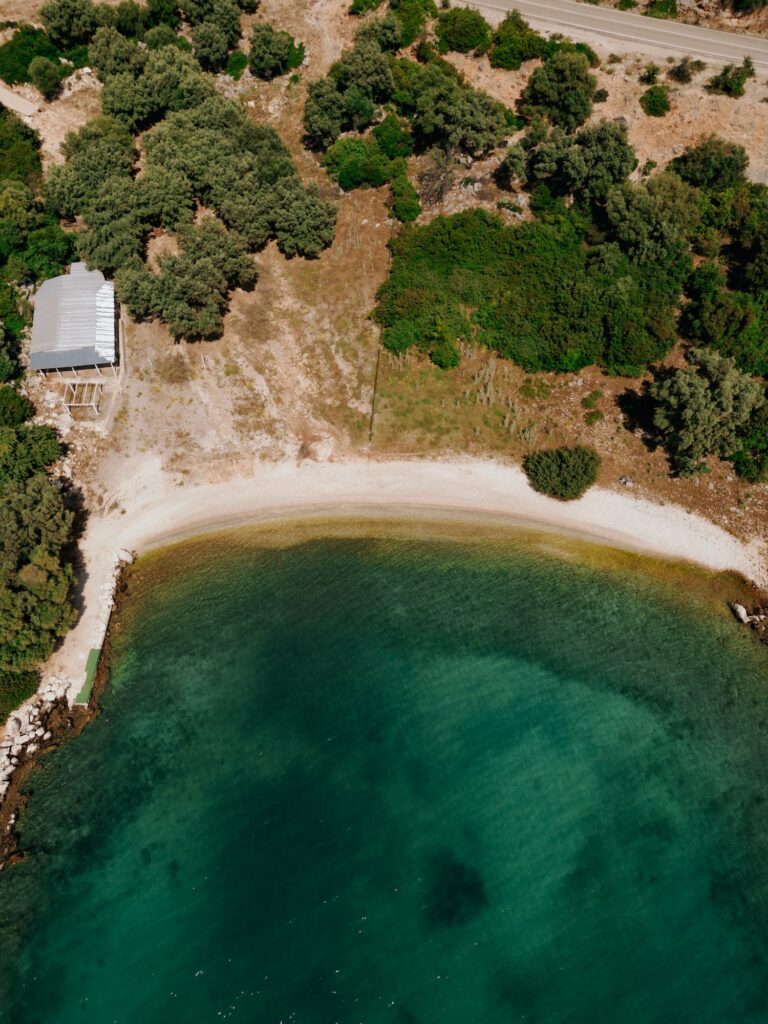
pixel 455 892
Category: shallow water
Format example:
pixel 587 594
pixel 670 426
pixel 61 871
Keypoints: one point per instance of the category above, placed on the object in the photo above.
pixel 401 782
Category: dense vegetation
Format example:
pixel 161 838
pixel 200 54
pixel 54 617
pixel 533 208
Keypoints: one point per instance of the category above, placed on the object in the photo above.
pixel 429 104
pixel 30 55
pixel 198 149
pixel 273 53
pixel 564 473
pixel 536 293
pixel 594 283
pixel 35 579
pixel 462 30
pixel 703 409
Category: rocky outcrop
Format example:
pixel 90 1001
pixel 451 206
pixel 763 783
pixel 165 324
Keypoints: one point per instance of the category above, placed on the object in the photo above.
pixel 757 619
pixel 26 731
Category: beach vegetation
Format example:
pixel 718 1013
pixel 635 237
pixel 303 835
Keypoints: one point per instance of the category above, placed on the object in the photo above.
pixel 704 409
pixel 565 473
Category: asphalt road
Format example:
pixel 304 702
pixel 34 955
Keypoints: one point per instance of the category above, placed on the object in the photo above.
pixel 633 30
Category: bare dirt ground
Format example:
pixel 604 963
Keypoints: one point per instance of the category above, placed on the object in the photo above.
pixel 293 375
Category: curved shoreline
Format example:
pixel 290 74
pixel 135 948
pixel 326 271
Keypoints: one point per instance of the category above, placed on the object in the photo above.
pixel 162 512
pixel 158 511
pixel 154 511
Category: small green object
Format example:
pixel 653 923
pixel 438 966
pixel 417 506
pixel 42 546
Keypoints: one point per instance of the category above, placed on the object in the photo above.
pixel 236 65
pixel 655 101
pixel 90 674
pixel 661 9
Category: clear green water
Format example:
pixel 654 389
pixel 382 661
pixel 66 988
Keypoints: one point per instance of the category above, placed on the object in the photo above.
pixel 398 782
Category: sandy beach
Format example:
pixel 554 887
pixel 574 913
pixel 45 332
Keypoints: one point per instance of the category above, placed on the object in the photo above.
pixel 153 511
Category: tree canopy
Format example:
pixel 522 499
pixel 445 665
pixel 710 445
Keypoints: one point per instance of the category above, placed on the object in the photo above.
pixel 273 53
pixel 197 149
pixel 701 409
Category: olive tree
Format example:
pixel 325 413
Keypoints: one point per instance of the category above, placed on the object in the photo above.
pixel 700 409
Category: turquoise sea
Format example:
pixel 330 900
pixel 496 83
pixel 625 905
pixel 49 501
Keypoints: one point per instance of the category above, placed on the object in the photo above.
pixel 371 780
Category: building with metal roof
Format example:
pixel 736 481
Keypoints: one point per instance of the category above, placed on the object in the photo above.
pixel 75 322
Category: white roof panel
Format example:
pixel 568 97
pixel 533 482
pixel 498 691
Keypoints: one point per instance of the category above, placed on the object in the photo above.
pixel 74 322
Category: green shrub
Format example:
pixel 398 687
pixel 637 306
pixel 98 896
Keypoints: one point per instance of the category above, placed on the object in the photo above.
pixel 685 70
pixel 564 473
pixel 22 48
pixel 14 407
pixel 515 42
pixel 405 200
pixel 661 9
pixel 45 76
pixel 703 408
pixel 364 6
pixel 713 164
pixel 358 163
pixel 590 401
pixel 655 101
pixel 412 15
pixel 593 417
pixel 445 355
pixel 462 29
pixel 236 65
pixel 19 150
pixel 562 89
pixel 163 35
pixel 273 53
pixel 732 79
pixel 70 22
pixel 393 137
pixel 750 456
pixel 650 74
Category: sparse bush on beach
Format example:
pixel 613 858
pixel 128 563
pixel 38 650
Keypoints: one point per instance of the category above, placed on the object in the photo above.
pixel 564 473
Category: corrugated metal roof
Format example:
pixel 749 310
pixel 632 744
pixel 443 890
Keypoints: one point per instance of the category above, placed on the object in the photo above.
pixel 74 322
